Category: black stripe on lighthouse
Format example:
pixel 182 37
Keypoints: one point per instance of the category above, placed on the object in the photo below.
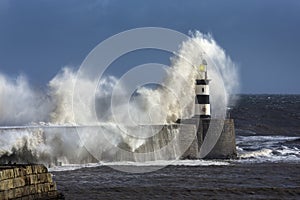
pixel 202 82
pixel 202 99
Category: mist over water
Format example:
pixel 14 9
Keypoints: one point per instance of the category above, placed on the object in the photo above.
pixel 20 104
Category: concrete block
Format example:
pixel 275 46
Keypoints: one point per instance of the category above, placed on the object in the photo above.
pixel 19 182
pixel 6 174
pixel 44 178
pixel 34 169
pixel 18 192
pixel 26 190
pixel 6 184
pixel 19 171
pixel 42 188
pixel 32 189
pixel 10 194
pixel 52 194
pixel 39 169
pixel 3 195
pixel 26 182
pixel 28 169
pixel 32 179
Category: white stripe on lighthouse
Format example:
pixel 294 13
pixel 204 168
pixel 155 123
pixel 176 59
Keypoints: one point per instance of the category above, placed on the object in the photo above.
pixel 202 109
pixel 202 89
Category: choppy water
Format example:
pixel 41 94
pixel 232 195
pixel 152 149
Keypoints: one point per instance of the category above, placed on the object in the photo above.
pixel 234 181
pixel 267 128
pixel 267 115
pixel 268 143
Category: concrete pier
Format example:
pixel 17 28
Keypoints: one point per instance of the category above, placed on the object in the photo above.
pixel 215 139
pixel 225 147
pixel 211 139
pixel 26 181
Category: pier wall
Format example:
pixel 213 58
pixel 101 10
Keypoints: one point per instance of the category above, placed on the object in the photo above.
pixel 225 147
pixel 211 139
pixel 182 140
pixel 26 181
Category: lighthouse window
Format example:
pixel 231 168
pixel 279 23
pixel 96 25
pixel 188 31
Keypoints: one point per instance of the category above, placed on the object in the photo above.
pixel 202 89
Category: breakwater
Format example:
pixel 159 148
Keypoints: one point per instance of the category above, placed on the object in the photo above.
pixel 26 181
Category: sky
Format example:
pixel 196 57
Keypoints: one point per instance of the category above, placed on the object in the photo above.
pixel 39 37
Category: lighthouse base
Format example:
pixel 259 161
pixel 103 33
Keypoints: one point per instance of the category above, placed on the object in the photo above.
pixel 225 146
pixel 215 138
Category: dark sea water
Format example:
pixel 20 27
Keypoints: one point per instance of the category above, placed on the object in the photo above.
pixel 268 164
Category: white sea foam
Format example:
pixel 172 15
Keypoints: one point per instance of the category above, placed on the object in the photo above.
pixel 21 104
pixel 69 167
pixel 267 149
pixel 166 162
pixel 258 153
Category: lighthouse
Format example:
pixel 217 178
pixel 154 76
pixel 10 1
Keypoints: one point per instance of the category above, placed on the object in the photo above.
pixel 202 105
pixel 214 138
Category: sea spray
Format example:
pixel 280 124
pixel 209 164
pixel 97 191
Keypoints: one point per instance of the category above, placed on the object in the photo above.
pixel 176 98
pixel 48 145
pixel 61 89
pixel 21 105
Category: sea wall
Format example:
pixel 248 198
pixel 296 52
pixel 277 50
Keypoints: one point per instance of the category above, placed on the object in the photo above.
pixel 26 181
pixel 168 142
pixel 223 132
pixel 212 138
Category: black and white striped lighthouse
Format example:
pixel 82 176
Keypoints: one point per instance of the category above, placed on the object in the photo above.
pixel 202 105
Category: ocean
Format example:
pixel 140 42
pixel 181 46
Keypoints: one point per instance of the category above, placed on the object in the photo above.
pixel 42 126
pixel 267 167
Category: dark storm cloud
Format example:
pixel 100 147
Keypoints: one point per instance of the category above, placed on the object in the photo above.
pixel 39 37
